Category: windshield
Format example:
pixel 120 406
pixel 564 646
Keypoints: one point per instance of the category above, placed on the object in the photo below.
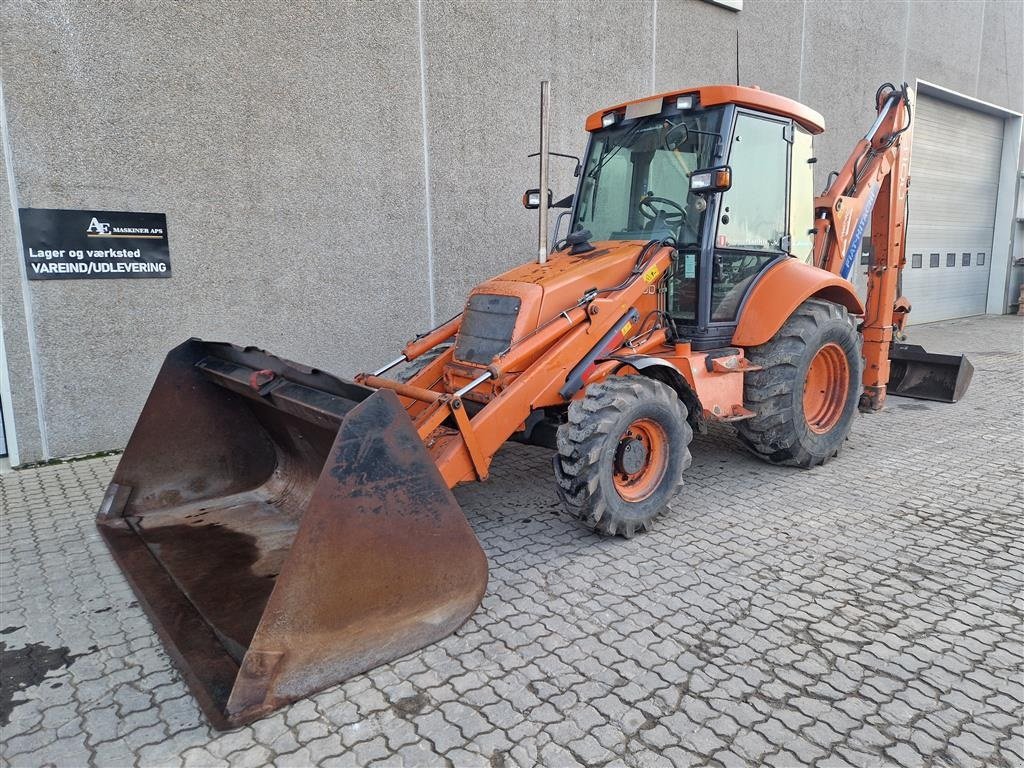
pixel 636 182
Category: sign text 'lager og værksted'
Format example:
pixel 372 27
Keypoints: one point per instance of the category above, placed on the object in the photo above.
pixel 62 244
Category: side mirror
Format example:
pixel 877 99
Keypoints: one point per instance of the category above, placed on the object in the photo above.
pixel 710 180
pixel 531 199
pixel 676 137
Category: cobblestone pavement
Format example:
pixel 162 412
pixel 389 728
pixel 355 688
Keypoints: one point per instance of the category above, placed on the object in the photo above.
pixel 864 613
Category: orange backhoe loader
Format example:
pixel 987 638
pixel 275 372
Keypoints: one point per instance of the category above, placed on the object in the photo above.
pixel 286 529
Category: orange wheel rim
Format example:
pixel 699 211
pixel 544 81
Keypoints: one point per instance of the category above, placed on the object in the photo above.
pixel 825 388
pixel 641 459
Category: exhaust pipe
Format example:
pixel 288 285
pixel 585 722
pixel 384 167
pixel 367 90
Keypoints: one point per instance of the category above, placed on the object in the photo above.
pixel 542 209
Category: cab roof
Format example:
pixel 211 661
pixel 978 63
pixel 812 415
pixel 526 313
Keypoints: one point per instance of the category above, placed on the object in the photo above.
pixel 713 95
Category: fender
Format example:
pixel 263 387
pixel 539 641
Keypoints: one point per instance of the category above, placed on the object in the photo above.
pixel 780 291
pixel 667 373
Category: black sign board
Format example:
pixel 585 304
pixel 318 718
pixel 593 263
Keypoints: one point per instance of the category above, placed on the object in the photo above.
pixel 64 245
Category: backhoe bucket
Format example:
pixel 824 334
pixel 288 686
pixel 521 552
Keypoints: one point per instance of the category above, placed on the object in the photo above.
pixel 284 529
pixel 927 376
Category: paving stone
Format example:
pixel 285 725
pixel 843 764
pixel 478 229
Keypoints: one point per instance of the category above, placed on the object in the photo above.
pixel 443 734
pixel 659 737
pixel 199 757
pixel 975 745
pixel 703 741
pixel 555 755
pixel 772 617
pixel 28 744
pixel 590 751
pixel 67 751
pixel 751 745
pixel 226 743
pixel 905 755
pixel 459 757
pixel 344 760
pixel 645 758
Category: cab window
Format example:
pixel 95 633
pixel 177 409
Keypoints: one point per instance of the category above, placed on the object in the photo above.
pixel 754 210
pixel 801 197
pixel 635 183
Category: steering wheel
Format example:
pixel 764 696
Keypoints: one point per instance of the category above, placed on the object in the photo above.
pixel 649 212
pixel 672 218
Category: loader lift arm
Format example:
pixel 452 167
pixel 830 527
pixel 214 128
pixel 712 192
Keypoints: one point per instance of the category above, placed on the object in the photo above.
pixel 465 455
pixel 872 185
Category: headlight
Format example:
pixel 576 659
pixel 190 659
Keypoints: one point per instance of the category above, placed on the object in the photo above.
pixel 700 181
pixel 711 179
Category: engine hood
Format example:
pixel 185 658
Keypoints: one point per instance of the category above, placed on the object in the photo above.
pixel 546 290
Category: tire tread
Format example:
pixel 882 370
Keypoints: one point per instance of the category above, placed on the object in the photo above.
pixel 581 442
pixel 773 433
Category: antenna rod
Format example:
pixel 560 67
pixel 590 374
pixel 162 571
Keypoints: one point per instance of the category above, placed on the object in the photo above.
pixel 542 224
pixel 737 56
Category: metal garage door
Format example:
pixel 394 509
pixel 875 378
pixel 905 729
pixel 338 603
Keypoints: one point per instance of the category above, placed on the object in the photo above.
pixel 954 176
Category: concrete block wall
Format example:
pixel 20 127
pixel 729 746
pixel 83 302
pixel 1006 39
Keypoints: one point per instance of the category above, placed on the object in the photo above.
pixel 336 176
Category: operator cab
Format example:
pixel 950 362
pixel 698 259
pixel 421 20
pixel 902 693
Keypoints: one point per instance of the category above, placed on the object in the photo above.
pixel 725 172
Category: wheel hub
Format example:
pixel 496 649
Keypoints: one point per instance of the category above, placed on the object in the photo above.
pixel 632 456
pixel 641 459
pixel 825 388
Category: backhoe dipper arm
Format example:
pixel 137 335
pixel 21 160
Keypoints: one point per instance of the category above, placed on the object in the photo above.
pixel 873 184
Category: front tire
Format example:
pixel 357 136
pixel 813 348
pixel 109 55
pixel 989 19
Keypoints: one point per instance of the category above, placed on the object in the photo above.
pixel 806 395
pixel 622 453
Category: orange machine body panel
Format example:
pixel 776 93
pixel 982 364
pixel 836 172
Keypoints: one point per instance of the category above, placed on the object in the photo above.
pixel 548 290
pixel 720 389
pixel 583 317
pixel 780 291
pixel 554 330
pixel 715 95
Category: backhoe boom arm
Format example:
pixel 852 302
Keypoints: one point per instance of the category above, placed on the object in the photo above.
pixel 872 186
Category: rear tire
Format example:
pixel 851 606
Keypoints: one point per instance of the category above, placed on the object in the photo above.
pixel 622 453
pixel 806 395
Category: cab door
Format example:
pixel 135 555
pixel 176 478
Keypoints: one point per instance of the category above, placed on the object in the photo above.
pixel 753 225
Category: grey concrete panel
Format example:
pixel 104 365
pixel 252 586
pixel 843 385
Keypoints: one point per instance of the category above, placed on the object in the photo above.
pixel 484 64
pixel 770 40
pixel 697 41
pixel 23 414
pixel 283 142
pixel 1001 67
pixel 696 44
pixel 852 47
pixel 944 41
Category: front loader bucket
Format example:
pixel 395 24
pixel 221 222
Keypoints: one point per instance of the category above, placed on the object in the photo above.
pixel 927 376
pixel 284 529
